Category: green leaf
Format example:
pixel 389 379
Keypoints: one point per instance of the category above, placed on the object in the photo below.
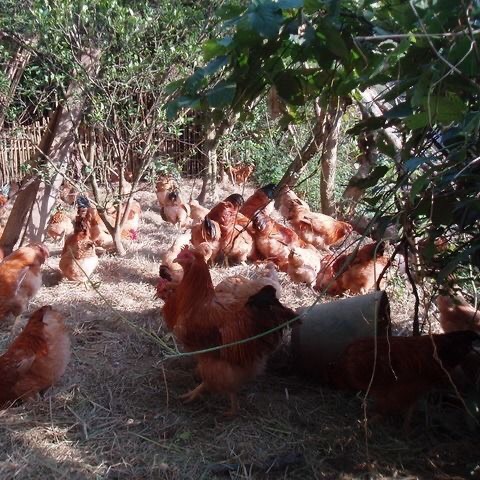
pixel 313 6
pixel 179 103
pixel 290 87
pixel 401 110
pixel 372 179
pixel 195 81
pixel 215 65
pixel 418 185
pixel 213 48
pixel 185 435
pixel 171 110
pixel 466 62
pixel 413 163
pixel 398 89
pixel 421 88
pixel 245 36
pixel 333 39
pixel 264 18
pixel 229 11
pixel 221 95
pixel 461 257
pixel 290 4
pixel 417 120
pixel 173 86
pixel 372 123
pixel 445 109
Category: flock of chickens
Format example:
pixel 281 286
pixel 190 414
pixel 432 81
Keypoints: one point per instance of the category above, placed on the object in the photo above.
pixel 234 326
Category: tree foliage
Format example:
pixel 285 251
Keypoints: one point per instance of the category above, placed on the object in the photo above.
pixel 143 46
pixel 421 57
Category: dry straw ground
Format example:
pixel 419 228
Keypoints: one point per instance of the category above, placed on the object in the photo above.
pixel 116 412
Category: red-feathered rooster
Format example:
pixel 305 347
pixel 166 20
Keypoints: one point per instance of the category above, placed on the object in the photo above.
pixel 79 258
pixel 21 278
pixel 36 359
pixel 403 368
pixel 260 201
pixel 208 232
pixel 360 270
pixel 316 228
pixel 236 241
pixel 457 314
pixel 274 241
pixel 201 319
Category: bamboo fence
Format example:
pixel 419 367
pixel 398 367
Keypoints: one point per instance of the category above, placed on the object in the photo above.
pixel 18 145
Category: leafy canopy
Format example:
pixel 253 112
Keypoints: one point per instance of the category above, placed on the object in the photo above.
pixel 423 59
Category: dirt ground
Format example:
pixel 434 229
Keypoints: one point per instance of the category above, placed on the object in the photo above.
pixel 116 413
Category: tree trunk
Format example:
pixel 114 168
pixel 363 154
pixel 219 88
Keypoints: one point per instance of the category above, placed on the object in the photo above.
pixel 59 152
pixel 14 73
pixel 20 210
pixel 373 108
pixel 55 146
pixel 276 106
pixel 25 198
pixel 213 135
pixel 333 122
pixel 366 161
pixel 309 149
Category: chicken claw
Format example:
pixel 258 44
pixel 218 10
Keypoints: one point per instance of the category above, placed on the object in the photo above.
pixel 193 394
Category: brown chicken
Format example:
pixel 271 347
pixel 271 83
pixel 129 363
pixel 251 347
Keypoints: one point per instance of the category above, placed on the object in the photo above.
pixel 96 229
pixel 236 242
pixel 175 210
pixel 60 225
pixel 316 228
pixel 231 287
pixel 79 258
pixel 274 241
pixel 122 180
pixel 197 212
pixel 208 232
pixel 165 184
pixel 21 278
pixel 403 368
pixel 131 223
pixel 239 173
pixel 169 269
pixel 3 200
pixel 260 201
pixel 68 194
pixel 355 273
pixel 304 265
pixel 457 314
pixel 36 359
pixel 200 319
pixel 5 209
pixel 286 196
pixel 239 286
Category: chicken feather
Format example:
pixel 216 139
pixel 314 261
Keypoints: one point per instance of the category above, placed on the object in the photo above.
pixel 21 278
pixel 398 370
pixel 201 319
pixel 36 359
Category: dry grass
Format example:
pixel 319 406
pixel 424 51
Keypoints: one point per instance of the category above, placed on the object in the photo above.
pixel 116 412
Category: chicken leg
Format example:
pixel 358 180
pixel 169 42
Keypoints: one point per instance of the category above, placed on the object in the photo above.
pixel 193 394
pixel 233 406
